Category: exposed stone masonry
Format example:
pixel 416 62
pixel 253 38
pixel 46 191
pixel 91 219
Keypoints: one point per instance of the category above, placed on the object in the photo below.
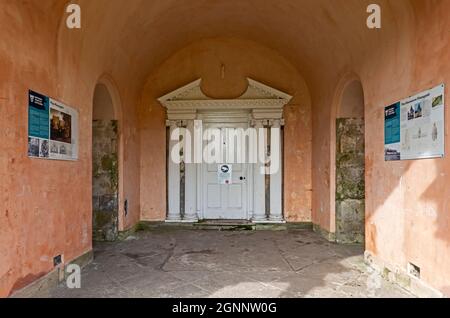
pixel 350 189
pixel 105 181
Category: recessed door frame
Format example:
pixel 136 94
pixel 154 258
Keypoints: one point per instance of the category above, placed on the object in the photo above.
pixel 261 106
pixel 233 119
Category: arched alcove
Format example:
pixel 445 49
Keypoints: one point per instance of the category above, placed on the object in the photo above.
pixel 352 103
pixel 350 165
pixel 105 166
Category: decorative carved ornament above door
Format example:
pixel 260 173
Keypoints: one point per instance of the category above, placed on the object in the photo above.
pixel 264 102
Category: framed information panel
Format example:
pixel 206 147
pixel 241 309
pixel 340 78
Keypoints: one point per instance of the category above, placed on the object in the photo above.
pixel 52 128
pixel 415 127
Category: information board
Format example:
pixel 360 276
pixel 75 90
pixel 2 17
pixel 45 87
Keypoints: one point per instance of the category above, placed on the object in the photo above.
pixel 52 128
pixel 415 127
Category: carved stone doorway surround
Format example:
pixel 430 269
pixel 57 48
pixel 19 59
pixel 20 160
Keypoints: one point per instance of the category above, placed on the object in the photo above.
pixel 260 106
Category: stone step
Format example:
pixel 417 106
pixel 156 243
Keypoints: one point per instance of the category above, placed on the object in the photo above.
pixel 225 226
pixel 232 225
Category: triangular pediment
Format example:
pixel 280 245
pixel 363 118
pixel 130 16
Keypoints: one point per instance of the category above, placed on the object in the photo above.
pixel 255 91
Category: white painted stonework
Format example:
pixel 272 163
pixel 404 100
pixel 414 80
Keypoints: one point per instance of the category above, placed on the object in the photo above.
pixel 245 198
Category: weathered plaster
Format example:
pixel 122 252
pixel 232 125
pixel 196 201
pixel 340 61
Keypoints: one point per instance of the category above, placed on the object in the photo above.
pixel 321 40
pixel 241 59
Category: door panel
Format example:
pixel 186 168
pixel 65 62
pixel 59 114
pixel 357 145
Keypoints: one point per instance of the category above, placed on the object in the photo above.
pixel 225 201
pixel 235 196
pixel 214 196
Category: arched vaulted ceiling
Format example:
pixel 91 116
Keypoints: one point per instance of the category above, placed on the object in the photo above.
pixel 317 36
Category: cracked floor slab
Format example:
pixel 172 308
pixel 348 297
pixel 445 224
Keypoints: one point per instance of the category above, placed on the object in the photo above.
pixel 256 264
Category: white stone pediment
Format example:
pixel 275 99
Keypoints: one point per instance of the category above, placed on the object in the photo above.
pixel 263 101
pixel 193 92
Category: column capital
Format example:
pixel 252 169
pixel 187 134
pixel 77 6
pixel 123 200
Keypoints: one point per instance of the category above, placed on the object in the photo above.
pixel 261 122
pixel 257 123
pixel 174 123
pixel 276 123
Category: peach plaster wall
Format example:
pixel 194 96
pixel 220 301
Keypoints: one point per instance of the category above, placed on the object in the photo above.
pixel 45 207
pixel 241 59
pixel 82 64
pixel 362 51
pixel 408 206
pixel 408 202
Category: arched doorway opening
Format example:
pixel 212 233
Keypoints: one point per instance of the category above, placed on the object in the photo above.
pixel 105 167
pixel 350 165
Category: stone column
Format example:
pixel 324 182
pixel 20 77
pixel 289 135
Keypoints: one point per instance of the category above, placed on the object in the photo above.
pixel 276 172
pixel 190 193
pixel 259 185
pixel 198 160
pixel 174 214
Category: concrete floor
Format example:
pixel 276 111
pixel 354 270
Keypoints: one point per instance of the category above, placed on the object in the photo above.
pixel 189 263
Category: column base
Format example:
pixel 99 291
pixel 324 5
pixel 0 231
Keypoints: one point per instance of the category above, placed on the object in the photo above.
pixel 190 220
pixel 276 218
pixel 259 219
pixel 191 217
pixel 173 219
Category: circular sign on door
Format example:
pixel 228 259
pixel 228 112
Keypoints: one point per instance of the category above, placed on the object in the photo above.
pixel 225 174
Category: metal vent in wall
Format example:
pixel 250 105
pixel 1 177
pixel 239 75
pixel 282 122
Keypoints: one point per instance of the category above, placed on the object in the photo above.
pixel 57 260
pixel 414 270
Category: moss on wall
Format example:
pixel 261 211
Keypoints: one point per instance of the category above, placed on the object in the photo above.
pixel 105 181
pixel 350 184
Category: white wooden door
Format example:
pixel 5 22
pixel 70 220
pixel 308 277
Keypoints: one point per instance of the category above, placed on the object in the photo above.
pixel 225 201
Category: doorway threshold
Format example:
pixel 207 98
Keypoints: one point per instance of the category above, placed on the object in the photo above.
pixel 225 222
pixel 220 222
pixel 181 221
pixel 226 225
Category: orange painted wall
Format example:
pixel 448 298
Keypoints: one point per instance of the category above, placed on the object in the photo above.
pixel 241 59
pixel 45 206
pixel 148 48
pixel 43 212
pixel 408 202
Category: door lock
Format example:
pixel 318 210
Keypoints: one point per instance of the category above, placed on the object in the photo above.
pixel 243 178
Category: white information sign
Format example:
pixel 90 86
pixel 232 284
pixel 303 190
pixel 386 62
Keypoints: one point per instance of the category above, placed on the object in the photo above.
pixel 225 174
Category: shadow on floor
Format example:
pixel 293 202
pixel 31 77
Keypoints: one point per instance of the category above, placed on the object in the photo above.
pixel 256 264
